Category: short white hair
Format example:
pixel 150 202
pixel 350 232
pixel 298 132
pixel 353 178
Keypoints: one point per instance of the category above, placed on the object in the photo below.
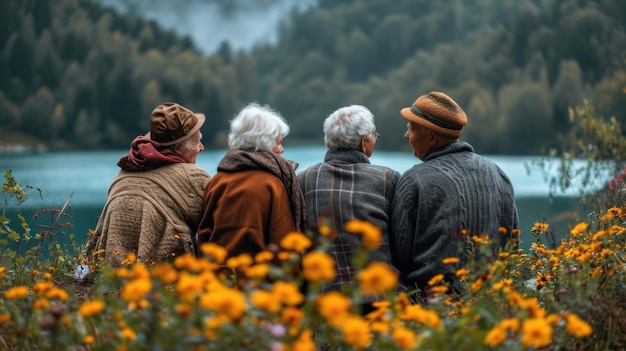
pixel 345 127
pixel 256 128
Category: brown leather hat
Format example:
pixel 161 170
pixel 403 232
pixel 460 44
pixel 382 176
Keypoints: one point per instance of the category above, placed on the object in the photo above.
pixel 172 123
pixel 437 112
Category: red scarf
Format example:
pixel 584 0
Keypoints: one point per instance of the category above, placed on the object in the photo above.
pixel 146 154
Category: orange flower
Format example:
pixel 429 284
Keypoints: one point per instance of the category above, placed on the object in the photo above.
pixel 90 308
pixel 318 266
pixel 334 306
pixel 295 241
pixel 377 278
pixel 536 332
pixel 16 292
pixel 576 326
pixel 287 293
pixel 372 235
pixel 404 338
pixel 213 250
pixel 356 332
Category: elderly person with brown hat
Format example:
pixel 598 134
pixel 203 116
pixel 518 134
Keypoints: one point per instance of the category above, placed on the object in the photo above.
pixel 453 192
pixel 154 204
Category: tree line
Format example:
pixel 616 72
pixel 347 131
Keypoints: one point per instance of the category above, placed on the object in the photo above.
pixel 76 74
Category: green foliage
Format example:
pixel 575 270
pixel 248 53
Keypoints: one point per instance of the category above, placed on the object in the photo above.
pixel 106 71
pixel 594 154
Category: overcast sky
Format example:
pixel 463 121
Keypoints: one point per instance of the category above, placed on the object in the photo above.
pixel 208 25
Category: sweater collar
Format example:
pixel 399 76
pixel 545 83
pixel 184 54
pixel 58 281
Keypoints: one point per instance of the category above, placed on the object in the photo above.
pixel 345 156
pixel 459 146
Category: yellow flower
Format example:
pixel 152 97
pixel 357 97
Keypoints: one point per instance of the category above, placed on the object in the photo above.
pixel 90 308
pixel 227 301
pixel 304 342
pixel 128 334
pixel 356 332
pixel 462 274
pixel 57 293
pixel 41 304
pixel 439 289
pixel 257 271
pixel 89 339
pixel 183 309
pixel 291 316
pixel 540 227
pixel 213 324
pixel 377 278
pixel 41 288
pixel 495 336
pixel 536 332
pixel 188 286
pixel 130 259
pixel 295 241
pixel 241 261
pixel 504 285
pixel 264 256
pixel 318 266
pixel 334 306
pixel 139 271
pixel 615 211
pixel 450 260
pixel 420 315
pixel 404 338
pixel 512 324
pixel 265 301
pixel 287 293
pixel 165 273
pixel 213 250
pixel 576 326
pixel 325 230
pixel 5 317
pixel 136 290
pixel 16 292
pixel 435 280
pixel 371 234
pixel 579 229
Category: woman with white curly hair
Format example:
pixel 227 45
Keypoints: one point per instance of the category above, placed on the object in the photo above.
pixel 254 199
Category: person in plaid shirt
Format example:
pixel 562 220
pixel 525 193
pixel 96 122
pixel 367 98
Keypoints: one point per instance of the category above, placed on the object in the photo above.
pixel 345 187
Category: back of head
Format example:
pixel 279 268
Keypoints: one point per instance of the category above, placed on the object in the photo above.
pixel 256 128
pixel 345 127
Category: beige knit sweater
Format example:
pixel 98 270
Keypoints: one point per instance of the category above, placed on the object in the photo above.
pixel 154 214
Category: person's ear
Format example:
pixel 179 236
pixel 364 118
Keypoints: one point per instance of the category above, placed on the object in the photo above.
pixel 432 138
pixel 363 144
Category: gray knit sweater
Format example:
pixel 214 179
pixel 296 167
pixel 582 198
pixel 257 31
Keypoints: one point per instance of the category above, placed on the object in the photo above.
pixel 453 189
pixel 344 187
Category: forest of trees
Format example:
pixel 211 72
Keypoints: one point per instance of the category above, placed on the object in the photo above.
pixel 74 74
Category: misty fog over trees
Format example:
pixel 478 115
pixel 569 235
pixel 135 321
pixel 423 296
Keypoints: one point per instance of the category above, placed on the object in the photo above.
pixel 82 74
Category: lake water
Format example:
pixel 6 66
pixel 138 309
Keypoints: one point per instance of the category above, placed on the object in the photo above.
pixel 84 177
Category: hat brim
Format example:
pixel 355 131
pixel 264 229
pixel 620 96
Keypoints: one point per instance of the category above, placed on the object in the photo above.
pixel 407 114
pixel 201 119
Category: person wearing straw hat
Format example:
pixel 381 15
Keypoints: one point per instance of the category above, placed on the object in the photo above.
pixel 154 204
pixel 452 194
